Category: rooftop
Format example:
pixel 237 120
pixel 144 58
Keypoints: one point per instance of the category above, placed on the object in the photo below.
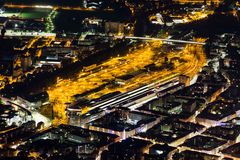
pixel 225 131
pixel 218 110
pixel 121 120
pixel 190 155
pixel 233 150
pixel 170 130
pixel 126 149
pixel 203 143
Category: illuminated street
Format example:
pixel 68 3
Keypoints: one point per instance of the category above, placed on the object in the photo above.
pixel 195 16
pixel 120 80
pixel 49 7
pixel 96 75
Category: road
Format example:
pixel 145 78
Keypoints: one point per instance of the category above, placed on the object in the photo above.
pixel 162 39
pixel 135 98
pixel 37 117
pixel 52 7
pixel 215 151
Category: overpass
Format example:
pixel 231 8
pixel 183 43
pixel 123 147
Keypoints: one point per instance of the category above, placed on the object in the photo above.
pixel 161 39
